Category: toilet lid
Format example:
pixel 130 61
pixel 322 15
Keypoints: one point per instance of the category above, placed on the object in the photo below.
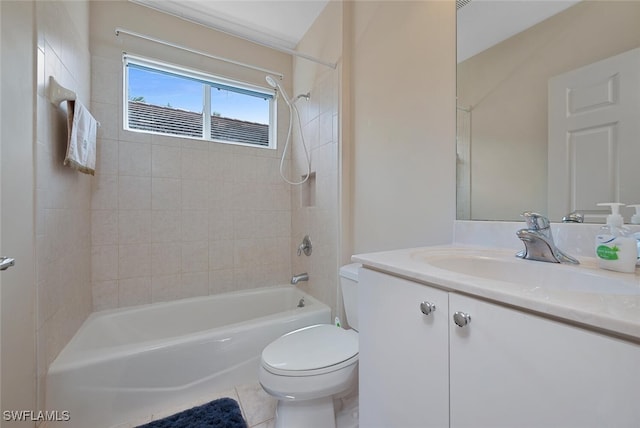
pixel 311 348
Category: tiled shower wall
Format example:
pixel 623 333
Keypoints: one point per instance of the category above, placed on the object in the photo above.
pixel 315 203
pixel 174 218
pixel 62 194
pixel 315 210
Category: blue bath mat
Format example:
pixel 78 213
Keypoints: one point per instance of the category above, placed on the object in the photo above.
pixel 221 413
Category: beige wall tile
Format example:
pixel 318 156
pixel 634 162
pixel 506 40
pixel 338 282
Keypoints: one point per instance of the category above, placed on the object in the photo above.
pixel 221 254
pixel 166 225
pixel 195 284
pixel 195 257
pixel 134 261
pixel 195 164
pixel 106 157
pixel 134 193
pixel 134 291
pixel 104 192
pixel 221 281
pixel 195 225
pixel 105 295
pixel 221 223
pixel 134 159
pixel 194 194
pixel 166 161
pixel 166 259
pixel 104 262
pixel 134 226
pixel 104 227
pixel 166 194
pixel 105 75
pixel 165 288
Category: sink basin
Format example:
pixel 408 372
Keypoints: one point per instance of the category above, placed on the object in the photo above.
pixel 506 267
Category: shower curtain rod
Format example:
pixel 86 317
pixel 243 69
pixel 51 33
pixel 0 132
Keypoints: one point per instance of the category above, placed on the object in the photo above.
pixel 331 65
pixel 197 52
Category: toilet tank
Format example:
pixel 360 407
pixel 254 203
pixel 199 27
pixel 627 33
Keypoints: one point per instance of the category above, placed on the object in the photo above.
pixel 349 285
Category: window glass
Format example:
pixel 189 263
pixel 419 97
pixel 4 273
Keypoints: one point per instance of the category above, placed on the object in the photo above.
pixel 239 117
pixel 165 99
pixel 164 103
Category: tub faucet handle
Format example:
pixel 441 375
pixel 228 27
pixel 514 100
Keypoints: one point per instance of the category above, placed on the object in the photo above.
pixel 305 247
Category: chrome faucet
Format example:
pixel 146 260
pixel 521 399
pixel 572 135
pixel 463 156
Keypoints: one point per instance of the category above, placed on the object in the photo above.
pixel 300 277
pixel 538 241
pixel 573 217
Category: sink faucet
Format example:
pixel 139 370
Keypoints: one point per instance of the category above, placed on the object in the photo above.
pixel 538 241
pixel 301 277
pixel 573 217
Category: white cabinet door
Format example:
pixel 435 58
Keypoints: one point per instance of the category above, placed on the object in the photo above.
pixel 511 369
pixel 404 368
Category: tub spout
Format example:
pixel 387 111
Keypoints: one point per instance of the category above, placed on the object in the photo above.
pixel 301 277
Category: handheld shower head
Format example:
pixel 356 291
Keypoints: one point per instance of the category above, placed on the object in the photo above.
pixel 274 84
pixel 292 108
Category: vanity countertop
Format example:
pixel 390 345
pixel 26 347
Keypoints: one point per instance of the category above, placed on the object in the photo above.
pixel 616 312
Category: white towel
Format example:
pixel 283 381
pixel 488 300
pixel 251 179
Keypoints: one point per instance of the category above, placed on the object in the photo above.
pixel 82 130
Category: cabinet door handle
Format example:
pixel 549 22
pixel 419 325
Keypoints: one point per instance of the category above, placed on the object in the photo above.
pixel 427 307
pixel 461 319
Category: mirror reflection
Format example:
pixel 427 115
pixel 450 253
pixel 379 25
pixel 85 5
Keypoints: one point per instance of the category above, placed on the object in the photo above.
pixel 519 151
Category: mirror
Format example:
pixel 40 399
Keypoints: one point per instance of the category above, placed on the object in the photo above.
pixel 502 87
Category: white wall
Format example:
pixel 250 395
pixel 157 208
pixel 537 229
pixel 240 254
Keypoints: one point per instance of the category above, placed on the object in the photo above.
pixel 403 118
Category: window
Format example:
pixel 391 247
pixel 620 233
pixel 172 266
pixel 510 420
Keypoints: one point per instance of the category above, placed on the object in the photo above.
pixel 170 100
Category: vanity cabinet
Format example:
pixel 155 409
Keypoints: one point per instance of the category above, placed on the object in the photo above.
pixel 505 368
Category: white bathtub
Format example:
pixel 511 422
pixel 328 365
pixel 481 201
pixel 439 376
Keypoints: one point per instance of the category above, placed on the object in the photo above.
pixel 128 363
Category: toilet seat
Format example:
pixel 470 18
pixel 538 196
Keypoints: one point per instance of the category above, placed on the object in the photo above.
pixel 311 351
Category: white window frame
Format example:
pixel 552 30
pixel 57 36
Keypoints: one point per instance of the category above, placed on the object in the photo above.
pixel 208 81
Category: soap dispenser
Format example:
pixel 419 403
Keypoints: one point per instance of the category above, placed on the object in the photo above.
pixel 616 248
pixel 635 219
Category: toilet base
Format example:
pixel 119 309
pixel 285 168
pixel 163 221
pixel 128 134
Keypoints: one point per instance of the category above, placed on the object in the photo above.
pixel 318 413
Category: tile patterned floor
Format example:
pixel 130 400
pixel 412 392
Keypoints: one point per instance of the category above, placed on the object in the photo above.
pixel 258 408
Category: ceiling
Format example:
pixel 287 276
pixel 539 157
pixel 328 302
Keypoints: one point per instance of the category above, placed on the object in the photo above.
pixel 283 23
pixel 275 23
pixel 484 23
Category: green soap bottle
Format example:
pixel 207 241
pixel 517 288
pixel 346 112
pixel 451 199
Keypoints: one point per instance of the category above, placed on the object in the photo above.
pixel 616 248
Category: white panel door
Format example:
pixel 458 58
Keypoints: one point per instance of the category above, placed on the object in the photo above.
pixel 404 368
pixel 594 137
pixel 512 369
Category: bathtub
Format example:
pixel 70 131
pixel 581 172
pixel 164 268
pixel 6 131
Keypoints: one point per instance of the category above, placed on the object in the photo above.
pixel 126 364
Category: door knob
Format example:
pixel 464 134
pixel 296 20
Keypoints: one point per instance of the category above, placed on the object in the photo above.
pixel 461 319
pixel 6 263
pixel 427 307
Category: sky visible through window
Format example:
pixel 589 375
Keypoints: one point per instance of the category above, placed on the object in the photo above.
pixel 182 93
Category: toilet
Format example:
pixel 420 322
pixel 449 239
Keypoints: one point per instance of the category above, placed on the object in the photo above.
pixel 307 368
